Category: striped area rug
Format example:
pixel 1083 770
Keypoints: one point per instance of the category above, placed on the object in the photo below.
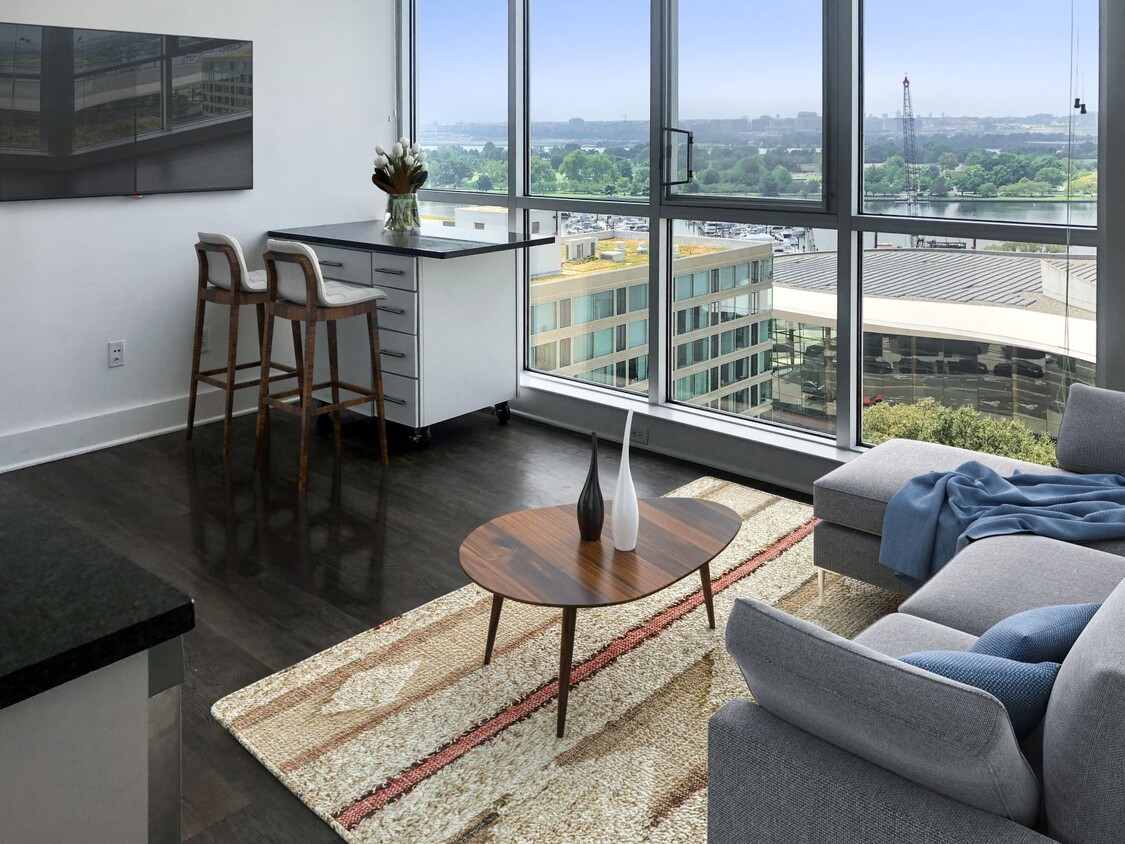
pixel 400 734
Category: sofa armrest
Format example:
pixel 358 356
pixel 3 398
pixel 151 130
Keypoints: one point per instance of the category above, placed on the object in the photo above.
pixel 769 781
pixel 941 734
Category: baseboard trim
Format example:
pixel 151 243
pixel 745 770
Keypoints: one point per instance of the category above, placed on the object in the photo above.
pixel 72 437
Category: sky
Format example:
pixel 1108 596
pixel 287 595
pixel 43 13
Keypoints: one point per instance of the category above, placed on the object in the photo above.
pixel 738 58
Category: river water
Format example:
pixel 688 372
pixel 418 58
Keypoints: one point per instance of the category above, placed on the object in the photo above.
pixel 1084 213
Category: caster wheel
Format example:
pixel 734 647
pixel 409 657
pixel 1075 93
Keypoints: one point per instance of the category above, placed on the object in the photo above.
pixel 421 438
pixel 503 413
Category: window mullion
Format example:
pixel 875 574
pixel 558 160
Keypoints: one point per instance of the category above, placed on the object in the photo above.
pixel 844 148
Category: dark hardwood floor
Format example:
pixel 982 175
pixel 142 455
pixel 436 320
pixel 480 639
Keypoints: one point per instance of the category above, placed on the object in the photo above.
pixel 277 577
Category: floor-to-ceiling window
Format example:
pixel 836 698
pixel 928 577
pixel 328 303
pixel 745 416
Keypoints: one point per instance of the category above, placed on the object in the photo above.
pixel 724 178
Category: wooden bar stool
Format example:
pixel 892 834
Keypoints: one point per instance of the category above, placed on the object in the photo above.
pixel 298 292
pixel 224 280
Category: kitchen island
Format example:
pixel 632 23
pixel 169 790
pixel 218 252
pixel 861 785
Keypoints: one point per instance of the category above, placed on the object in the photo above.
pixel 449 327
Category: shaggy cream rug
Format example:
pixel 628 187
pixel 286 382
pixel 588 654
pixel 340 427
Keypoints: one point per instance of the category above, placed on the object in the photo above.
pixel 400 734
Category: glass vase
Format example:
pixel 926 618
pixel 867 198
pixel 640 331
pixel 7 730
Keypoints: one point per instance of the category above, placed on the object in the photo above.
pixel 402 213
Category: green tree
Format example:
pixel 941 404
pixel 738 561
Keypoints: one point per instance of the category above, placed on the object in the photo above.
pixel 1053 175
pixel 948 161
pixel 709 177
pixel 769 186
pixel 987 189
pixel 963 427
pixel 782 177
pixel 543 179
pixel 938 187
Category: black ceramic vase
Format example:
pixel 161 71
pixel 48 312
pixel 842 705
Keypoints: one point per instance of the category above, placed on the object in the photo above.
pixel 591 507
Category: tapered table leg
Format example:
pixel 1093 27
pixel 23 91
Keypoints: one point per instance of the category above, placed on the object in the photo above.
pixel 566 654
pixel 493 623
pixel 705 575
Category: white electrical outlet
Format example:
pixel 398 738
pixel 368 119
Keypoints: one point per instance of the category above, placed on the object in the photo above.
pixel 206 345
pixel 116 353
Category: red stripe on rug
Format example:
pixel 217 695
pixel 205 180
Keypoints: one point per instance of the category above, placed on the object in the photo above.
pixel 488 729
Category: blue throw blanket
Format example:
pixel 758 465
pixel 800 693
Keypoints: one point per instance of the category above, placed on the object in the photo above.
pixel 935 515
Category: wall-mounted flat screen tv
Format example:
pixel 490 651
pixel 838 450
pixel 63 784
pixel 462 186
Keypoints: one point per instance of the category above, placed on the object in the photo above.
pixel 89 112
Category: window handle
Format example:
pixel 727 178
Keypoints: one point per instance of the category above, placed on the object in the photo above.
pixel 690 154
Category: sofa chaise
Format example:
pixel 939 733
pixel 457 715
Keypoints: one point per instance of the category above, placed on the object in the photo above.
pixel 846 743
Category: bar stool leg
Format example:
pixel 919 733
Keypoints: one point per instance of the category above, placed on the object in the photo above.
pixel 262 429
pixel 196 353
pixel 306 397
pixel 298 357
pixel 334 373
pixel 232 355
pixel 377 379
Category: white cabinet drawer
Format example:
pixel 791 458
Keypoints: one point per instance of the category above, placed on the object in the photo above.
pixel 400 398
pixel 344 264
pixel 393 271
pixel 399 311
pixel 399 353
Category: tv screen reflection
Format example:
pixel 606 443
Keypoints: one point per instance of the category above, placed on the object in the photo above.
pixel 86 112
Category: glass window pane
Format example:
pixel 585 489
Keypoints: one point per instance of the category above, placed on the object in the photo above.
pixel 462 94
pixel 213 83
pixel 588 95
pixel 595 280
pixel 959 341
pixel 20 54
pixel 780 374
pixel 994 135
pixel 760 139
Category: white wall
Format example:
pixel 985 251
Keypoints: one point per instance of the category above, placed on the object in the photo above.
pixel 78 273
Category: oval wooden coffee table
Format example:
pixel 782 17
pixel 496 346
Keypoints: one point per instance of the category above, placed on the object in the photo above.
pixel 537 557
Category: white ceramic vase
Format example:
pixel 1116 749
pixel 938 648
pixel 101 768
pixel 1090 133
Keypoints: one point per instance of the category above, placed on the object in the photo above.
pixel 626 517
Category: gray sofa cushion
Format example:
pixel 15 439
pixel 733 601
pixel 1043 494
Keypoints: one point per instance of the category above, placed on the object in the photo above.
pixel 771 783
pixel 1084 734
pixel 1092 431
pixel 898 634
pixel 941 734
pixel 855 495
pixel 1001 576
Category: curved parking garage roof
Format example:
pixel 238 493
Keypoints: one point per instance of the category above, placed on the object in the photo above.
pixel 996 278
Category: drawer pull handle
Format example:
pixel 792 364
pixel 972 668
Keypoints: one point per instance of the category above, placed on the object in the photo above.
pixel 394 400
pixel 390 310
pixel 388 271
pixel 331 263
pixel 391 354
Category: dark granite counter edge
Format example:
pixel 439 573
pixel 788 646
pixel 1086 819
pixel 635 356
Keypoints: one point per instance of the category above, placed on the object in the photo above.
pixel 76 662
pixel 470 248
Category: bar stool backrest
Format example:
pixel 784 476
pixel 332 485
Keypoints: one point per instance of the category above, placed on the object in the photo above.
pixel 219 268
pixel 292 276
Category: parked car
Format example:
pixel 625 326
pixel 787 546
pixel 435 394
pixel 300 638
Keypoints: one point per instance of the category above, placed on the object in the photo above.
pixel 1022 367
pixel 812 388
pixel 908 365
pixel 966 367
pixel 877 367
pixel 814 351
pixel 868 401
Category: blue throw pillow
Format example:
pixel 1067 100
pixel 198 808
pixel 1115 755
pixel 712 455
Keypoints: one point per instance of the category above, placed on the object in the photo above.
pixel 1024 688
pixel 1045 634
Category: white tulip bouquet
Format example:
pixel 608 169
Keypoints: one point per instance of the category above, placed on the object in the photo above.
pixel 400 170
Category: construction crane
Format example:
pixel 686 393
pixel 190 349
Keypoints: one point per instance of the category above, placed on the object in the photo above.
pixel 909 154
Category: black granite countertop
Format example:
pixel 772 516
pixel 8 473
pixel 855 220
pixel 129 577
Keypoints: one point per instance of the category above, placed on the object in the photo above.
pixel 433 241
pixel 69 605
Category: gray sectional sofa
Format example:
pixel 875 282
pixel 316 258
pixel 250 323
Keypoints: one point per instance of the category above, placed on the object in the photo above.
pixel 848 744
